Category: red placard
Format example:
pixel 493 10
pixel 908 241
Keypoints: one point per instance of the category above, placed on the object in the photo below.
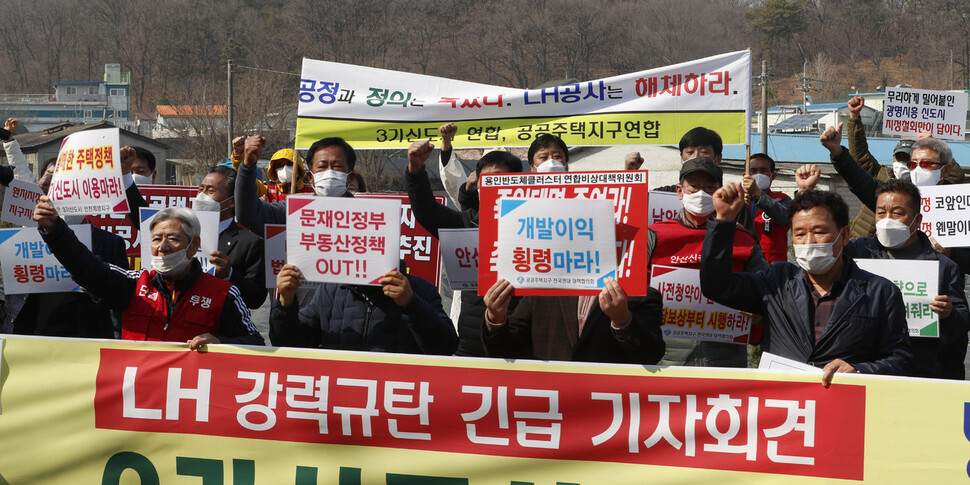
pixel 627 189
pixel 419 249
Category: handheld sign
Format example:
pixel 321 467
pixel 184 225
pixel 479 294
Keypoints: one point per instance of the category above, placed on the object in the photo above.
pixel 275 257
pixel 343 239
pixel 19 201
pixel 87 176
pixel 419 249
pixel 909 112
pixel 689 314
pixel 29 266
pixel 664 206
pixel 919 282
pixel 946 214
pixel 459 250
pixel 209 222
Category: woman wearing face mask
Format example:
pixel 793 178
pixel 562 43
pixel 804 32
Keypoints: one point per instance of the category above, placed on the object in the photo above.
pixel 678 243
pixel 283 172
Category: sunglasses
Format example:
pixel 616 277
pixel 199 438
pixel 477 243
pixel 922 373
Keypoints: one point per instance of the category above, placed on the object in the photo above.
pixel 925 164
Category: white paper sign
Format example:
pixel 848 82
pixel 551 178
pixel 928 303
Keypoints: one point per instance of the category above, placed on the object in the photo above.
pixel 946 214
pixel 275 256
pixel 664 206
pixel 909 112
pixel 19 201
pixel 459 250
pixel 209 220
pixel 343 239
pixel 919 282
pixel 689 314
pixel 776 363
pixel 567 244
pixel 28 265
pixel 87 176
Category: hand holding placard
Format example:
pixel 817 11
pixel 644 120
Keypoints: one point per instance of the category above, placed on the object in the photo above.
pixel 497 301
pixel 45 214
pixel 287 282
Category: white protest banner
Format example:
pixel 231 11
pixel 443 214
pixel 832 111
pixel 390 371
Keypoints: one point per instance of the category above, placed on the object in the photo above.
pixel 459 250
pixel 343 239
pixel 209 222
pixel 946 214
pixel 29 266
pixel 919 282
pixel 378 108
pixel 19 201
pixel 275 256
pixel 689 314
pixel 663 206
pixel 574 252
pixel 909 112
pixel 87 176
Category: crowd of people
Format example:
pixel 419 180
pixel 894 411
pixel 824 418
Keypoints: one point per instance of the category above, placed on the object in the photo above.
pixel 788 261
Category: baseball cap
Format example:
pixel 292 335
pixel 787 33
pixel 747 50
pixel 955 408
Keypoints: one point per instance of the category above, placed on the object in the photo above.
pixel 701 164
pixel 905 146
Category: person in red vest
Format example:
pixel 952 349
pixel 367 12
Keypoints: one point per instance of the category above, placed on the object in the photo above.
pixel 174 301
pixel 768 208
pixel 678 242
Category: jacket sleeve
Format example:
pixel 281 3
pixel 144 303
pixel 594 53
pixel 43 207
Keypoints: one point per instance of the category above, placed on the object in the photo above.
pixel 514 339
pixel 427 211
pixel 861 183
pixel 236 325
pixel 859 147
pixel 642 339
pixel 251 212
pixel 135 202
pixel 427 320
pixel 736 290
pixel 252 281
pixel 777 209
pixel 296 326
pixel 893 340
pixel 21 170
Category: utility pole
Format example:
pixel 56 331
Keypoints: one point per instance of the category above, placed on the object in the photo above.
pixel 229 106
pixel 806 87
pixel 763 82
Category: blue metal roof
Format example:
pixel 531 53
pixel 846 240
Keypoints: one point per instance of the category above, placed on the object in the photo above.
pixel 807 149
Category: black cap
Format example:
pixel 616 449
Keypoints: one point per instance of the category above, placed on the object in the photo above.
pixel 701 164
pixel 905 146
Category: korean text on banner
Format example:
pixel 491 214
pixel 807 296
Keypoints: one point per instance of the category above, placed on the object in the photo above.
pixel 29 266
pixel 664 206
pixel 275 257
pixel 946 214
pixel 377 108
pixel 209 222
pixel 910 112
pixel 459 251
pixel 567 252
pixel 87 176
pixel 19 201
pixel 919 282
pixel 343 239
pixel 627 190
pixel 689 314
pixel 419 249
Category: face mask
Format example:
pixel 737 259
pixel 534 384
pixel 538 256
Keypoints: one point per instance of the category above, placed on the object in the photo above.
pixel 171 264
pixel 815 258
pixel 762 180
pixel 330 183
pixel 203 202
pixel 699 203
pixel 284 174
pixel 901 170
pixel 141 179
pixel 923 177
pixel 551 165
pixel 73 220
pixel 892 233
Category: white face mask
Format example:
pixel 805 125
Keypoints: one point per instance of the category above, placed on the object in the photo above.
pixel 285 173
pixel 892 233
pixel 815 258
pixel 141 179
pixel 762 180
pixel 171 264
pixel 330 183
pixel 551 165
pixel 923 177
pixel 901 170
pixel 699 203
pixel 203 202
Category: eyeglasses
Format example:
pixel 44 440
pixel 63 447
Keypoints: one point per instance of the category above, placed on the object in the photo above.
pixel 925 164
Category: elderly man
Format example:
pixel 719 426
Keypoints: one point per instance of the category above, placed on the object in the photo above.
pixel 174 301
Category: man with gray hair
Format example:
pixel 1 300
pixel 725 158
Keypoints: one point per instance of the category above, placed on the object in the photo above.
pixel 174 301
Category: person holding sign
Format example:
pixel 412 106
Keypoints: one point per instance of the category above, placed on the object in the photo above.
pixel 174 301
pixel 898 237
pixel 824 311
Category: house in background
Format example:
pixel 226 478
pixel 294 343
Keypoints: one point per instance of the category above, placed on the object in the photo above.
pixel 180 121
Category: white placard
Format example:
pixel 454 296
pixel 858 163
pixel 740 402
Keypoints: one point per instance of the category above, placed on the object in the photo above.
pixel 776 363
pixel 19 201
pixel 689 314
pixel 87 176
pixel 946 214
pixel 343 239
pixel 664 206
pixel 28 265
pixel 459 250
pixel 567 244
pixel 209 222
pixel 275 256
pixel 909 112
pixel 919 282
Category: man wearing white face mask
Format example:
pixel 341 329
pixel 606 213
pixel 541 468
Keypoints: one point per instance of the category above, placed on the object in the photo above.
pixel 768 208
pixel 548 153
pixel 174 301
pixel 898 237
pixel 678 243
pixel 823 311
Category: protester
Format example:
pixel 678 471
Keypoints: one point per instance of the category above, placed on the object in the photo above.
pixel 824 311
pixel 143 167
pixel 769 209
pixel 548 153
pixel 17 167
pixel 174 301
pixel 433 216
pixel 284 173
pixel 678 243
pixel 698 142
pixel 403 315
pixel 236 157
